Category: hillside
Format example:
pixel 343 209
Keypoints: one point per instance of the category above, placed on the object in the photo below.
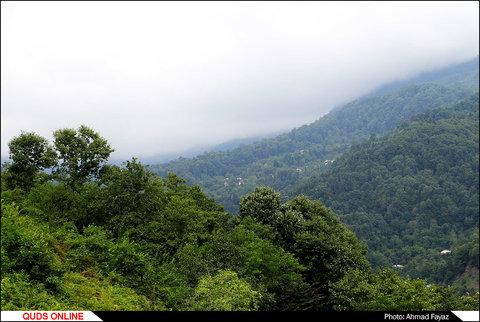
pixel 283 161
pixel 412 193
pixel 94 236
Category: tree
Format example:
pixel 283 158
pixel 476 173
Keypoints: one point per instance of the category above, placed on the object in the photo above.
pixel 313 235
pixel 324 246
pixel 82 153
pixel 30 153
pixel 261 205
pixel 224 292
pixel 132 196
pixel 386 291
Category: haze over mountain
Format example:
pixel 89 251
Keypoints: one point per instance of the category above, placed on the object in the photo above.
pixel 186 75
pixel 464 75
pixel 283 161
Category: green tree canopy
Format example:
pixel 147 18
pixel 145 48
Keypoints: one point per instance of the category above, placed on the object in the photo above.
pixel 224 292
pixel 313 235
pixel 81 154
pixel 261 205
pixel 30 153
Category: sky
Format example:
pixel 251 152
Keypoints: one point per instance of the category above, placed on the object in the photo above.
pixel 156 78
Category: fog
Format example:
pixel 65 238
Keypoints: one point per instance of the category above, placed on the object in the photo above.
pixel 157 78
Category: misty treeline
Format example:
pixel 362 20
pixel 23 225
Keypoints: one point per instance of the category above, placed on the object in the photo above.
pixel 79 234
pixel 286 160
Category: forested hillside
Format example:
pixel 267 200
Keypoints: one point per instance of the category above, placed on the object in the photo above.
pixel 413 193
pixel 282 162
pixel 89 236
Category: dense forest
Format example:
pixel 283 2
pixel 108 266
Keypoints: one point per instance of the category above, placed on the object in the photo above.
pixel 418 187
pixel 79 234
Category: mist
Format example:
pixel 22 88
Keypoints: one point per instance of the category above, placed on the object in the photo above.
pixel 161 78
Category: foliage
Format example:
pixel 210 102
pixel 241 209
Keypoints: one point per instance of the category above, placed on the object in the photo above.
pixel 30 153
pixel 104 237
pixel 224 292
pixel 386 291
pixel 40 273
pixel 18 293
pixel 261 205
pixel 92 292
pixel 25 249
pixel 470 303
pixel 81 154
pixel 418 186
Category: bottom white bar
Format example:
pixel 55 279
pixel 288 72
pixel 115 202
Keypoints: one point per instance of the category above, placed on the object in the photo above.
pixel 49 316
pixel 467 315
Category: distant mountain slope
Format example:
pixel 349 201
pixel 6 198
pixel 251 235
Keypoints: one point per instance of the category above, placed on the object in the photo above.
pixel 412 193
pixel 283 161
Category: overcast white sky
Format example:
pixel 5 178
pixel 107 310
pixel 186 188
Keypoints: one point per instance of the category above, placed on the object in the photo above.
pixel 161 77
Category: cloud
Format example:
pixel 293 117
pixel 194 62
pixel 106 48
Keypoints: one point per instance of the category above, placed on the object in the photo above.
pixel 161 77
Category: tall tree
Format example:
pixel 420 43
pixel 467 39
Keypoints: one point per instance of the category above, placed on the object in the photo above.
pixel 82 153
pixel 314 235
pixel 261 205
pixel 30 153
